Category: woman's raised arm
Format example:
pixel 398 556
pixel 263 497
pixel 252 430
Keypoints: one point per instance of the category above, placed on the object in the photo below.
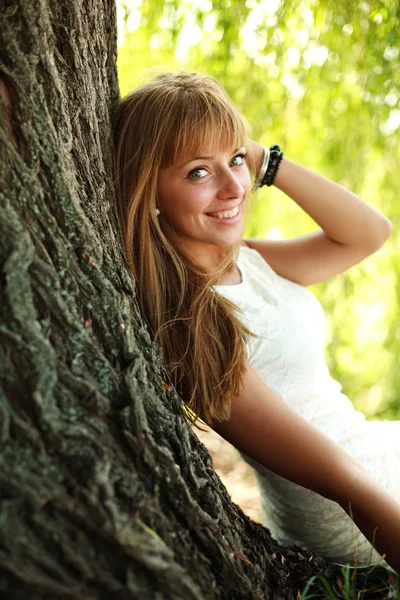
pixel 265 428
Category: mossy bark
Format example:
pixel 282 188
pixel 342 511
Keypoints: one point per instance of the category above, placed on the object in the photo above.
pixel 104 490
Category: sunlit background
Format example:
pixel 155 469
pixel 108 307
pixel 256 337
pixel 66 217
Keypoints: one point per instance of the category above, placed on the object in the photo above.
pixel 322 79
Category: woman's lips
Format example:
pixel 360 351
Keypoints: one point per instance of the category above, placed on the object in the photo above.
pixel 229 221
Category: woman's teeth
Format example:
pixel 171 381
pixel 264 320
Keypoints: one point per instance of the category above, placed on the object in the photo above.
pixel 227 214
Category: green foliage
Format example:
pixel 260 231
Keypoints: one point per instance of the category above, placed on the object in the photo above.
pixel 322 79
pixel 350 583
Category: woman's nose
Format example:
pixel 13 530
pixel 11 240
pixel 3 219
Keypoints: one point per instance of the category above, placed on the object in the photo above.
pixel 230 186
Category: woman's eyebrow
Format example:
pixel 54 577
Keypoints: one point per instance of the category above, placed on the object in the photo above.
pixel 204 158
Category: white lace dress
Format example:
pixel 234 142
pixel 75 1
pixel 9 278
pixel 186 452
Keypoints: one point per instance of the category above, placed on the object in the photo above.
pixel 289 357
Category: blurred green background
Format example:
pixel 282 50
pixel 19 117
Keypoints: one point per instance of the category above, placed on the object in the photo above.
pixel 322 79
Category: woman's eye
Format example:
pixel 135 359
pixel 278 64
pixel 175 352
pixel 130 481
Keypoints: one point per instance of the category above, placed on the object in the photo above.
pixel 196 173
pixel 239 159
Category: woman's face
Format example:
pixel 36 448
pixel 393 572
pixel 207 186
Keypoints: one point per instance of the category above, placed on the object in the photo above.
pixel 194 187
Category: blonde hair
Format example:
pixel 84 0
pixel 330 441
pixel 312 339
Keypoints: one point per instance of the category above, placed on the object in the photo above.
pixel 201 337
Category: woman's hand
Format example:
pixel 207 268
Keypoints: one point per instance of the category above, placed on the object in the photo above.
pixel 257 152
pixel 376 514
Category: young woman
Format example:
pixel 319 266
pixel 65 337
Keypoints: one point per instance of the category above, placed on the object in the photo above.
pixel 242 338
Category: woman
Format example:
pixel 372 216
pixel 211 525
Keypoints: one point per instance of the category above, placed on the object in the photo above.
pixel 241 336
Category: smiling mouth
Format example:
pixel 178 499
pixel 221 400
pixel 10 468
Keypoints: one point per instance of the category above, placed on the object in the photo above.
pixel 225 214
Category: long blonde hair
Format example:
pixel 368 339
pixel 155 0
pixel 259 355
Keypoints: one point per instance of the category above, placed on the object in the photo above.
pixel 201 337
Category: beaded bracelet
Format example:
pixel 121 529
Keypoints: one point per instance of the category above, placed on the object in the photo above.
pixel 275 160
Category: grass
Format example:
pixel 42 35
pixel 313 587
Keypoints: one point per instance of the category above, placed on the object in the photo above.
pixel 349 583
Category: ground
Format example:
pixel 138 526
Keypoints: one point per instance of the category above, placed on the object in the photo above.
pixel 235 474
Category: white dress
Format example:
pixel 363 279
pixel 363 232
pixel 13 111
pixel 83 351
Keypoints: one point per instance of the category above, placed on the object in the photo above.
pixel 289 357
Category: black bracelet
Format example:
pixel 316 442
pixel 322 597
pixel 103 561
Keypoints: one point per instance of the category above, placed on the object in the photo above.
pixel 275 159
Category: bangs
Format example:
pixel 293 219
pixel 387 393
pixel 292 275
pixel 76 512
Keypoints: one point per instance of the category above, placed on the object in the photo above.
pixel 203 123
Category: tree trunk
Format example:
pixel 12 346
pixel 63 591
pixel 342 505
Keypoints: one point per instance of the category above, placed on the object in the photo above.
pixel 105 492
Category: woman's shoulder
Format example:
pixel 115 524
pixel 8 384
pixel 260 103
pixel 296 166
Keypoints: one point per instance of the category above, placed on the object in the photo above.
pixel 253 257
pixel 253 266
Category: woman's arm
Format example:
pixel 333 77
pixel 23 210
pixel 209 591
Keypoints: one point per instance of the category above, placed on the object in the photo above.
pixel 344 217
pixel 265 428
pixel 351 228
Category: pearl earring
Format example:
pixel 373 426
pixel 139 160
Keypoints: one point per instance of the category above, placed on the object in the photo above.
pixel 157 211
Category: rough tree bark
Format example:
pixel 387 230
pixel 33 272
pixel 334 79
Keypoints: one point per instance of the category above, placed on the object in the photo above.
pixel 104 490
